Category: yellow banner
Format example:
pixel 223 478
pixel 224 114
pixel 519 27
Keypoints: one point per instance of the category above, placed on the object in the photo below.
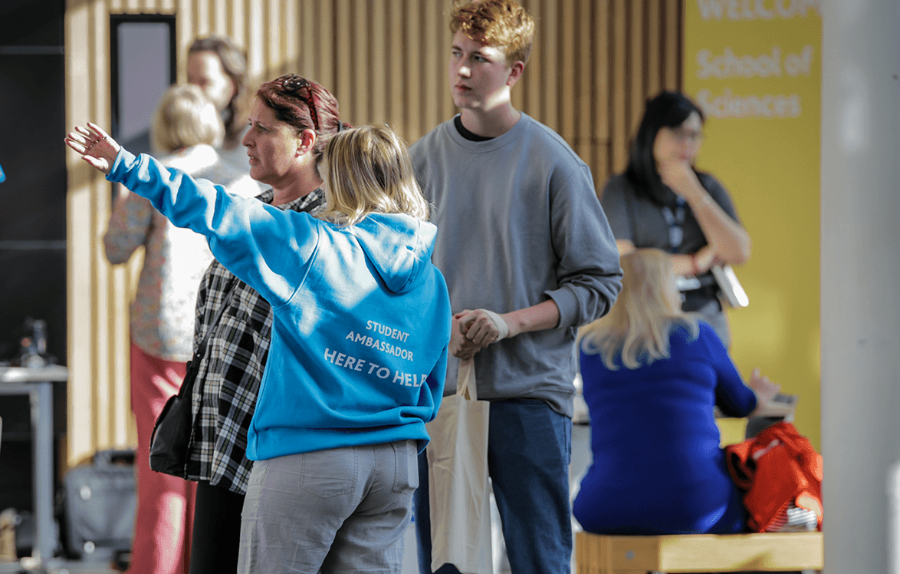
pixel 754 67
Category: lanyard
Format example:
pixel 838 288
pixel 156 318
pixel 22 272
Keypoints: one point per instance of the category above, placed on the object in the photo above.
pixel 675 221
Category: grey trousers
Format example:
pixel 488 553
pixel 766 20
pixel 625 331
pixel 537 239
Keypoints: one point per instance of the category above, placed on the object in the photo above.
pixel 338 510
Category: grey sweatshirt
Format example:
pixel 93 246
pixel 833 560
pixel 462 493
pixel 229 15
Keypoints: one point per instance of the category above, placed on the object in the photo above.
pixel 519 223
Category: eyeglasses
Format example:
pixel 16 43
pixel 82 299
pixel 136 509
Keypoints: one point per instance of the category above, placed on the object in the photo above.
pixel 292 84
pixel 684 135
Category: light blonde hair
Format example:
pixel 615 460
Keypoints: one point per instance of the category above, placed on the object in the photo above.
pixel 184 117
pixel 638 325
pixel 502 24
pixel 367 170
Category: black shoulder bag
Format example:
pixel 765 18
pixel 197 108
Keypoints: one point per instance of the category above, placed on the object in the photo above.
pixel 172 432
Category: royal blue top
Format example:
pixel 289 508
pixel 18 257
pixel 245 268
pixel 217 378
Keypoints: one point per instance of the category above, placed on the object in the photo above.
pixel 657 466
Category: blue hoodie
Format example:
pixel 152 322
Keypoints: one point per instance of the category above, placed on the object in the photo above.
pixel 362 317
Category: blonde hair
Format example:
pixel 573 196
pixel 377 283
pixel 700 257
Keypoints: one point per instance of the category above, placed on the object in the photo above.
pixel 638 325
pixel 184 117
pixel 367 170
pixel 502 24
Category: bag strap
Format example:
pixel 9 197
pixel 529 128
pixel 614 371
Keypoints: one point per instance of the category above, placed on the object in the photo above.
pixel 465 380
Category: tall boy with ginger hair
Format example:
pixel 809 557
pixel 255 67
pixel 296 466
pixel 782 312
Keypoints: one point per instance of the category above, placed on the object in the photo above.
pixel 528 257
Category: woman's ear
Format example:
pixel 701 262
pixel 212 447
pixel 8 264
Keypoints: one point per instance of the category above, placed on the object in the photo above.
pixel 306 142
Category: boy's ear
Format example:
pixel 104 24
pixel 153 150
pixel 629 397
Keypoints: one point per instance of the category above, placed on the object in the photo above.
pixel 515 72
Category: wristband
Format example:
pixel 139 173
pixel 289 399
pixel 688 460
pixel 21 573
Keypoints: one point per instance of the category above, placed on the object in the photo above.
pixel 499 323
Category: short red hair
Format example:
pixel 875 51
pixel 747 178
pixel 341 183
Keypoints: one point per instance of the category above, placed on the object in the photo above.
pixel 501 24
pixel 310 108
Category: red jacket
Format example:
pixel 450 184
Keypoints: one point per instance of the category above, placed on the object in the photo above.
pixel 774 469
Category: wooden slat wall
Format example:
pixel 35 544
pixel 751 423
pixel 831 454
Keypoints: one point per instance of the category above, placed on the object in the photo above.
pixel 593 64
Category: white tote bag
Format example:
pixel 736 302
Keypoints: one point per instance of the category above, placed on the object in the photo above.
pixel 459 493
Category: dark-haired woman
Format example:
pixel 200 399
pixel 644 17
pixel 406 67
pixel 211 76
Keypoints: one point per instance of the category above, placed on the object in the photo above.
pixel 661 201
pixel 218 66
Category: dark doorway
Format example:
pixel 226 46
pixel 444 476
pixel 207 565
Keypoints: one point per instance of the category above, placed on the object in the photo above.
pixel 142 49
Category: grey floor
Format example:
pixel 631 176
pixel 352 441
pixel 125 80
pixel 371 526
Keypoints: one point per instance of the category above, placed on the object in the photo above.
pixel 581 455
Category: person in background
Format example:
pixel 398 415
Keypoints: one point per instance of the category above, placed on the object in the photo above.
pixel 661 201
pixel 528 257
pixel 219 67
pixel 651 376
pixel 359 343
pixel 232 366
pixel 186 127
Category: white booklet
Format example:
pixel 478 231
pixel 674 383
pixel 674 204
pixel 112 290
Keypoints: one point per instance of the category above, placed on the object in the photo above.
pixel 729 286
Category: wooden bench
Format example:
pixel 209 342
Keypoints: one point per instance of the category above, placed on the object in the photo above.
pixel 599 554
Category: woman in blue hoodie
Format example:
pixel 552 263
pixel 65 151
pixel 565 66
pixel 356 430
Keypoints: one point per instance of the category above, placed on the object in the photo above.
pixel 359 345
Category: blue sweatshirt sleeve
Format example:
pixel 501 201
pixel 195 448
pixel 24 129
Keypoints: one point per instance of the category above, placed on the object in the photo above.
pixel 265 247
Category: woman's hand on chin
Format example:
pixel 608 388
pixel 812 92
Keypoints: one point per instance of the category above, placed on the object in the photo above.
pixel 96 146
pixel 679 176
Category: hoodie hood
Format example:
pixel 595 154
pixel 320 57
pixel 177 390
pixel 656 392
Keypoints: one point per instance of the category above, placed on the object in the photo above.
pixel 398 246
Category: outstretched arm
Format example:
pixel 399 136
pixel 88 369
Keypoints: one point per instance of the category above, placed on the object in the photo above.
pixel 96 146
pixel 263 246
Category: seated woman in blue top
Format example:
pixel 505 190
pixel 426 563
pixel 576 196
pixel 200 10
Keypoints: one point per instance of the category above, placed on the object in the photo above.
pixel 359 344
pixel 651 377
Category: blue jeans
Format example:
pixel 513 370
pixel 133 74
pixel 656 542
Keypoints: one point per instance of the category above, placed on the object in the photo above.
pixel 529 450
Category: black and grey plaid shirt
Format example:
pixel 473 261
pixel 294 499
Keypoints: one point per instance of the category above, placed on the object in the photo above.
pixel 231 369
